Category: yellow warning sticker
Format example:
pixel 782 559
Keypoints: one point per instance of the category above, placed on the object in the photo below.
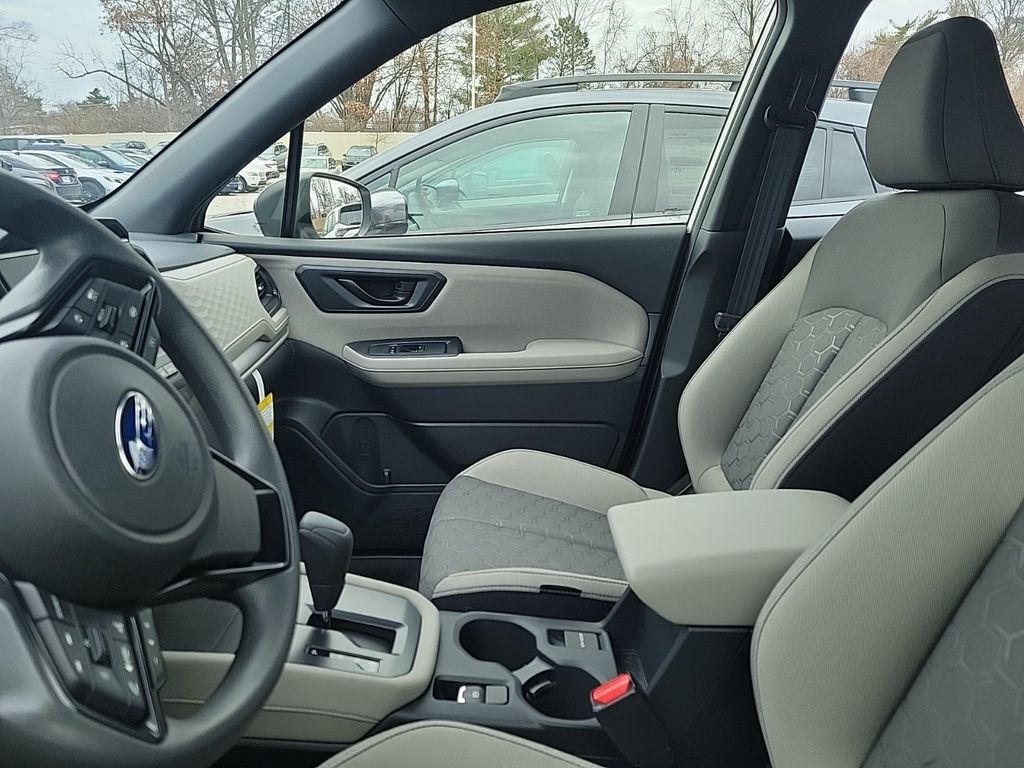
pixel 266 409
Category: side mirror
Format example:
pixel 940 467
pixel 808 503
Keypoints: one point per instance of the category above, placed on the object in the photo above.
pixel 103 163
pixel 4 165
pixel 330 207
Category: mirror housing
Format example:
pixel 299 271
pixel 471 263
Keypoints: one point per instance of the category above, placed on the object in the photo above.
pixel 323 201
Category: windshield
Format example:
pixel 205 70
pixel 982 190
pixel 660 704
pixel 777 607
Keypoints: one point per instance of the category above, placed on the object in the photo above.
pixel 132 74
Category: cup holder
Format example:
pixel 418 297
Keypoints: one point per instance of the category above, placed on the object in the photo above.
pixel 507 644
pixel 561 692
pixel 550 686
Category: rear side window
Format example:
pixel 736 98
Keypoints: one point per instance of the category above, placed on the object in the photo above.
pixel 812 175
pixel 534 171
pixel 687 144
pixel 847 171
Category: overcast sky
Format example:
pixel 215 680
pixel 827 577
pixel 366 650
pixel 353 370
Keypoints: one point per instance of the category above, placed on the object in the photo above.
pixel 79 21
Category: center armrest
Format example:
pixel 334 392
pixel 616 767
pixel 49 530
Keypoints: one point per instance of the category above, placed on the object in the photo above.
pixel 711 559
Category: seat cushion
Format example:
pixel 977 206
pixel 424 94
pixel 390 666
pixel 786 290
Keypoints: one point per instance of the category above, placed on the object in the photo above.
pixel 527 523
pixel 450 745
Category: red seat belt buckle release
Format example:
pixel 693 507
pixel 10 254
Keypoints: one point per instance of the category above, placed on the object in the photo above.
pixel 624 713
pixel 612 691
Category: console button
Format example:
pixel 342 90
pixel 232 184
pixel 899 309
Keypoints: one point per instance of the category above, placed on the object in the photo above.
pixel 75 321
pixel 470 694
pixel 106 318
pixel 496 694
pixel 70 657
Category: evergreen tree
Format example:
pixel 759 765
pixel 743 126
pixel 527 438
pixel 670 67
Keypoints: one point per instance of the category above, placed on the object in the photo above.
pixel 571 50
pixel 95 98
pixel 511 46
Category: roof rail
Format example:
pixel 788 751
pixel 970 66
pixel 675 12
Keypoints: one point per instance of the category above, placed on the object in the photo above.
pixel 858 90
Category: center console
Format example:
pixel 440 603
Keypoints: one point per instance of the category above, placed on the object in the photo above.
pixel 367 656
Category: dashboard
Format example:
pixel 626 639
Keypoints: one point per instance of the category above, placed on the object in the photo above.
pixel 235 299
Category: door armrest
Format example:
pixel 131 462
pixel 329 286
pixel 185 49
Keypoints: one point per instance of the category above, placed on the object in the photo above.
pixel 711 559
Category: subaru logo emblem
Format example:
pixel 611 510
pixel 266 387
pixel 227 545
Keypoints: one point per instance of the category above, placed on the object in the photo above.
pixel 135 429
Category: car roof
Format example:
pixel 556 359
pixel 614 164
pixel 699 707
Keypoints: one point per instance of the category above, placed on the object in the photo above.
pixel 842 111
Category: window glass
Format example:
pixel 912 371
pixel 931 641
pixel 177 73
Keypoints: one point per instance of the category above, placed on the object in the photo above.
pixel 417 113
pixel 847 171
pixel 559 168
pixel 687 144
pixel 812 174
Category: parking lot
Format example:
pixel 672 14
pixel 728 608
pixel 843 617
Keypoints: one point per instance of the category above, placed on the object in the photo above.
pixel 240 202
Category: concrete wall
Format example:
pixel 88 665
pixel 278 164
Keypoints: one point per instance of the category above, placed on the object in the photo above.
pixel 338 142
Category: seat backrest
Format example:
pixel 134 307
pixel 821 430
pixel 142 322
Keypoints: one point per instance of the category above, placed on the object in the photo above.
pixel 909 305
pixel 899 639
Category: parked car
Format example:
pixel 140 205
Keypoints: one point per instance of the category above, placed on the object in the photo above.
pixel 548 152
pixel 278 154
pixel 137 155
pixel 30 176
pixel 64 178
pixel 96 181
pixel 237 184
pixel 357 154
pixel 101 156
pixel 270 163
pixel 8 143
pixel 130 144
pixel 253 175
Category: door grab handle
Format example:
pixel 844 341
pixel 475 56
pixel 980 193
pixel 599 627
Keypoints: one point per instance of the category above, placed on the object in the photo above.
pixel 403 292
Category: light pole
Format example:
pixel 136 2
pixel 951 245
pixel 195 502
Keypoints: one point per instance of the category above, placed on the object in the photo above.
pixel 472 67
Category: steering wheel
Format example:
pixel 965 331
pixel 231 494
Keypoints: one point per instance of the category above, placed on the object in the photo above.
pixel 114 501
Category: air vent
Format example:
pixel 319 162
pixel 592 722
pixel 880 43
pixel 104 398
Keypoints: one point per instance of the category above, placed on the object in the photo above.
pixel 270 298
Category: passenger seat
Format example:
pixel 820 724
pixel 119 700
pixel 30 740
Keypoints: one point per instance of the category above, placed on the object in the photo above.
pixel 902 312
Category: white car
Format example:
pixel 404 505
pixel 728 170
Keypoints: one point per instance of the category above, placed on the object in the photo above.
pixel 254 175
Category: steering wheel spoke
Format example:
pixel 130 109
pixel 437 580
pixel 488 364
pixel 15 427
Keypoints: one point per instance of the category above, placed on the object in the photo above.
pixel 248 540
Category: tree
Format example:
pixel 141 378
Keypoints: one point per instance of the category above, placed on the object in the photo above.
pixel 614 22
pixel 681 41
pixel 571 53
pixel 869 60
pixel 20 104
pixel 511 46
pixel 95 98
pixel 743 21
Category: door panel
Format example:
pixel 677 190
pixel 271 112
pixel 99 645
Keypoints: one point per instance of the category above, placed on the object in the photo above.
pixel 494 311
pixel 580 306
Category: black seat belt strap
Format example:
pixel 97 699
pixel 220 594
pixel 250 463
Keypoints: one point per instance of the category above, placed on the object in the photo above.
pixel 789 123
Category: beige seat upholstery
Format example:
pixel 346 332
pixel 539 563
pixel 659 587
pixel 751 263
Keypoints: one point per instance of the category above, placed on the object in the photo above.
pixel 898 640
pixel 904 310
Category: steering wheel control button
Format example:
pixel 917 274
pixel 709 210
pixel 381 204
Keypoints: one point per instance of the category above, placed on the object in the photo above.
pixel 151 647
pixel 99 653
pixel 136 430
pixel 89 299
pixel 109 694
pixel 70 657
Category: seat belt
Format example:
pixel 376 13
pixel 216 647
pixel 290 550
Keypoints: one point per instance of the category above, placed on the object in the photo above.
pixel 790 123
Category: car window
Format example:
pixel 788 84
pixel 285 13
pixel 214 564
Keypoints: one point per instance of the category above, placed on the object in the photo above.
pixel 848 174
pixel 410 123
pixel 687 143
pixel 812 174
pixel 541 170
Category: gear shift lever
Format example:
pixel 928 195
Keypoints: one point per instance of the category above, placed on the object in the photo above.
pixel 326 548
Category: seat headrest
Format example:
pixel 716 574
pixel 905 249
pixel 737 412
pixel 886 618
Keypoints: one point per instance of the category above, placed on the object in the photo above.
pixel 943 117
